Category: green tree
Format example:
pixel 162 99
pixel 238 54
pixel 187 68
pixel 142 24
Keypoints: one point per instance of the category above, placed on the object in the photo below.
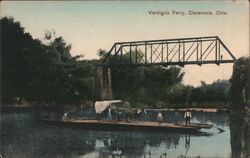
pixel 240 81
pixel 40 72
pixel 21 58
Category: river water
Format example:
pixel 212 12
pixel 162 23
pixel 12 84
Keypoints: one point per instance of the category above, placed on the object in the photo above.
pixel 23 135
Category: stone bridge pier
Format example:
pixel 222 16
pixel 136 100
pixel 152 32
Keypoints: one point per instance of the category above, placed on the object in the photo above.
pixel 103 84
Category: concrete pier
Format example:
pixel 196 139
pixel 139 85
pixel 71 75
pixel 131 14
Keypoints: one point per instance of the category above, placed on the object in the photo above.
pixel 103 84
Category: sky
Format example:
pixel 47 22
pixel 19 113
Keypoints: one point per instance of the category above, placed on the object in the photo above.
pixel 93 25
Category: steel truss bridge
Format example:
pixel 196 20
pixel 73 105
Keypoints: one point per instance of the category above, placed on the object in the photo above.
pixel 165 52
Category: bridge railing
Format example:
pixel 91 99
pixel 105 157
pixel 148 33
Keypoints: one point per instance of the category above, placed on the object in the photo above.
pixel 181 51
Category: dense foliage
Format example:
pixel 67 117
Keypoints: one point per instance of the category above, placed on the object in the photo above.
pixel 240 82
pixel 35 71
pixel 144 85
pixel 218 91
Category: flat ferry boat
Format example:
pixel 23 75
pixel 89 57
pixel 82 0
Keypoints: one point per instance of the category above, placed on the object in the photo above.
pixel 131 125
pixel 109 124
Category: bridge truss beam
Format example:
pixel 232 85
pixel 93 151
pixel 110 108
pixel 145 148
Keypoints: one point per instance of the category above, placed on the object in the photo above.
pixel 182 51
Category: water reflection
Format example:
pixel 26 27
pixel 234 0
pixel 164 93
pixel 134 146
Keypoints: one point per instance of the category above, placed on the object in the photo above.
pixel 24 136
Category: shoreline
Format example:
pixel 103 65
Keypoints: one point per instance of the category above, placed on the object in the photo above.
pixel 33 108
pixel 205 109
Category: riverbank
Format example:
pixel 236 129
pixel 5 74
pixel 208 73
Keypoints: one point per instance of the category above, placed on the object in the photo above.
pixel 72 108
pixel 53 107
pixel 192 109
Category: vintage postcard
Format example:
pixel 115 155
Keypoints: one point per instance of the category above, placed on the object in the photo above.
pixel 125 79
